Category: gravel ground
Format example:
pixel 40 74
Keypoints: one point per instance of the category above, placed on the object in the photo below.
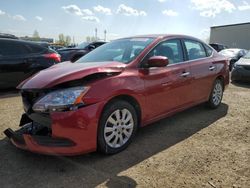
pixel 195 148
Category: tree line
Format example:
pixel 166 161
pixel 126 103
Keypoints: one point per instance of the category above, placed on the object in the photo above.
pixel 64 40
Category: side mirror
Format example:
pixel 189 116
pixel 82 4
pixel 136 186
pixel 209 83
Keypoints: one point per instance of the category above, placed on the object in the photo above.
pixel 91 47
pixel 158 61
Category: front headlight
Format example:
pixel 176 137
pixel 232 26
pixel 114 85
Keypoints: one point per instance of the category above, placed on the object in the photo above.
pixel 61 100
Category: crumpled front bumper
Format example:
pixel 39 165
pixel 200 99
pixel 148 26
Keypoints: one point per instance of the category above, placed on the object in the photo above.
pixel 69 133
pixel 19 138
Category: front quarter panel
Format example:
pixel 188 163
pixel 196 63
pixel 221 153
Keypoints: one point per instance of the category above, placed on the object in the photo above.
pixel 127 83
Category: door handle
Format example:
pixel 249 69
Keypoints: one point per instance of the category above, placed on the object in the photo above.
pixel 185 74
pixel 211 68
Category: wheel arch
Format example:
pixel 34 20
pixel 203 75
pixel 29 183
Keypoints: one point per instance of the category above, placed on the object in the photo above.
pixel 131 100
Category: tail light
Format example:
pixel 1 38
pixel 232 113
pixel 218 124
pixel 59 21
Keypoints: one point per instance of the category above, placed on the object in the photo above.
pixel 56 57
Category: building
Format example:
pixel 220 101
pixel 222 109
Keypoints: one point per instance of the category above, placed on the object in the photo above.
pixel 233 36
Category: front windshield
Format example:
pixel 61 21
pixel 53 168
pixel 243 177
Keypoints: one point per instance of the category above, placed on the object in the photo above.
pixel 83 45
pixel 247 56
pixel 122 50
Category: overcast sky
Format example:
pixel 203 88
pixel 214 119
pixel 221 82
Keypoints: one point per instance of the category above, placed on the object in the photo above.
pixel 120 18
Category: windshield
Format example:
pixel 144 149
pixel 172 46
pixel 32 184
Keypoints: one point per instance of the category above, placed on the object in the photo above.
pixel 83 45
pixel 122 50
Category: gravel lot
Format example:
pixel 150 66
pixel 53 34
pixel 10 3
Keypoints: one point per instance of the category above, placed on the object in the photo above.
pixel 196 148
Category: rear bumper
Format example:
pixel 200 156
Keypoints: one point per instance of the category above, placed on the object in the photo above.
pixel 70 133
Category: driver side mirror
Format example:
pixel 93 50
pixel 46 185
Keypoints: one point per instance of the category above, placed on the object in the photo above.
pixel 157 61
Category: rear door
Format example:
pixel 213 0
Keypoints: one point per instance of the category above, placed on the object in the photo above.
pixel 13 63
pixel 167 88
pixel 202 68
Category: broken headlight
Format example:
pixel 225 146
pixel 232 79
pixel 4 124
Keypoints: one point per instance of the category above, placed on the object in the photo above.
pixel 61 100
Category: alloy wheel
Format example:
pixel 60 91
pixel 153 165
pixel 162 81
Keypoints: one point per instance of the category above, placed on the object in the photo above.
pixel 217 93
pixel 118 128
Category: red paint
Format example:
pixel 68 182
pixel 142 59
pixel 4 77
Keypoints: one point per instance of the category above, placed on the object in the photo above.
pixel 159 92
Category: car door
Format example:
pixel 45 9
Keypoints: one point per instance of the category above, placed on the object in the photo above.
pixel 13 63
pixel 202 69
pixel 166 88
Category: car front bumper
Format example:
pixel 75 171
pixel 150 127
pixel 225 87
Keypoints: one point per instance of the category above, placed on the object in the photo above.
pixel 240 74
pixel 71 132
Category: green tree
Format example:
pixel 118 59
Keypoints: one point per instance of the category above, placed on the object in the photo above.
pixel 67 40
pixel 90 39
pixel 61 39
pixel 36 35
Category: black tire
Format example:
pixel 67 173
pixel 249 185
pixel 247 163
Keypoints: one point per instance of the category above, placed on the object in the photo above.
pixel 115 105
pixel 213 104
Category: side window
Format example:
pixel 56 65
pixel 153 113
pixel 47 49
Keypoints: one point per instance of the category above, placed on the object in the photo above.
pixel 13 49
pixel 195 50
pixel 171 49
pixel 208 50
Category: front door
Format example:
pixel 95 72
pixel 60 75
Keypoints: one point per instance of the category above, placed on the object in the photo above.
pixel 167 88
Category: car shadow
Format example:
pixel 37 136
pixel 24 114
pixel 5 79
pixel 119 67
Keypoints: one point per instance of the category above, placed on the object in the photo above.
pixel 241 84
pixel 7 93
pixel 24 169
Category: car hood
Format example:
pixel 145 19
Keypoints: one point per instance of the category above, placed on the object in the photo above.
pixel 67 71
pixel 243 61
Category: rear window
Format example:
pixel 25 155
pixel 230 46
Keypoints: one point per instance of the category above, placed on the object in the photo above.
pixel 33 48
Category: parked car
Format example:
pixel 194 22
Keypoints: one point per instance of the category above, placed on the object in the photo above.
pixel 100 101
pixel 234 54
pixel 8 36
pixel 74 53
pixel 218 47
pixel 241 69
pixel 55 46
pixel 20 59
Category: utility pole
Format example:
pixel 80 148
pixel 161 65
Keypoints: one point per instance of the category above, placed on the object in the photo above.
pixel 96 34
pixel 105 35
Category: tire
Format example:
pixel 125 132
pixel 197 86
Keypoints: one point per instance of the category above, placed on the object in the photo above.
pixel 117 127
pixel 216 94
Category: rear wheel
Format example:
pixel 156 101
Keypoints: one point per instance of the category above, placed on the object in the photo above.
pixel 216 94
pixel 117 127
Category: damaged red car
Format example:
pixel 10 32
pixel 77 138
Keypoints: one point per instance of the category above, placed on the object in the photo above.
pixel 99 101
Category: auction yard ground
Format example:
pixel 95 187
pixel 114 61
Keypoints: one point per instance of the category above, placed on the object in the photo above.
pixel 195 148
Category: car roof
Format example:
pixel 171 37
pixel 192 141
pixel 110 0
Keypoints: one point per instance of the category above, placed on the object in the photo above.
pixel 163 36
pixel 21 41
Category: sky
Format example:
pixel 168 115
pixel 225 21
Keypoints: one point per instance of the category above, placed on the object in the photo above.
pixel 79 18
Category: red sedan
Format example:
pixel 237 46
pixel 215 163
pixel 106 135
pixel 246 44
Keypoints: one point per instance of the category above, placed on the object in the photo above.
pixel 100 101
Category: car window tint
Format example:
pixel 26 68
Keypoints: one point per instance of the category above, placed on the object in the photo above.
pixel 33 48
pixel 13 48
pixel 195 49
pixel 208 50
pixel 97 44
pixel 171 49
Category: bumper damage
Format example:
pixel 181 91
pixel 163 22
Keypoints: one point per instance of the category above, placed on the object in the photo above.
pixel 59 133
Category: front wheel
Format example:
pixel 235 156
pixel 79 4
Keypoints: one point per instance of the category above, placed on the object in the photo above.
pixel 216 94
pixel 117 127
